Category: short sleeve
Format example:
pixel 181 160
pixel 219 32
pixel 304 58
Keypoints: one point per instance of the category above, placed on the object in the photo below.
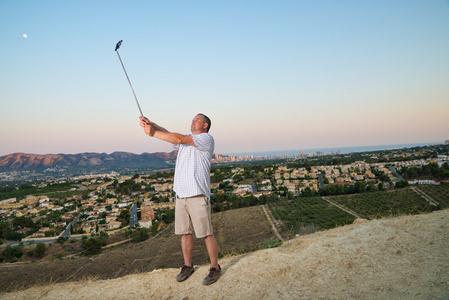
pixel 204 142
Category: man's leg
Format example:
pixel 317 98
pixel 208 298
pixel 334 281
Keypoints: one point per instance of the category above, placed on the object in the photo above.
pixel 187 248
pixel 212 250
pixel 215 269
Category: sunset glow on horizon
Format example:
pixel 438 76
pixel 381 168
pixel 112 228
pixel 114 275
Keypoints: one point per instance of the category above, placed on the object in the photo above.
pixel 270 75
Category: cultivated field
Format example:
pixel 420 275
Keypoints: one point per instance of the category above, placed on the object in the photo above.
pixel 384 204
pixel 308 214
pixel 439 193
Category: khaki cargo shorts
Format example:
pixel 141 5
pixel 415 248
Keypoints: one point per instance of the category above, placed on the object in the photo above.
pixel 193 214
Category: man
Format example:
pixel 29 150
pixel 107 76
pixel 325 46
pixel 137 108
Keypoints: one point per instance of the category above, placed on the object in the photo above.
pixel 192 188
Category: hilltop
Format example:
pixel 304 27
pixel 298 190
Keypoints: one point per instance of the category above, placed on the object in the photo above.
pixel 392 258
pixel 27 161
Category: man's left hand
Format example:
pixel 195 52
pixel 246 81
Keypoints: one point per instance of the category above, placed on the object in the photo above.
pixel 147 126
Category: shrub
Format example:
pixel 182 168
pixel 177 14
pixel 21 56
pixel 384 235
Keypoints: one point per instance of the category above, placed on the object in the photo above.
pixel 401 184
pixel 39 251
pixel 270 244
pixel 141 235
pixel 128 233
pixel 11 252
pixel 61 240
pixel 92 246
pixel 8 252
pixel 104 236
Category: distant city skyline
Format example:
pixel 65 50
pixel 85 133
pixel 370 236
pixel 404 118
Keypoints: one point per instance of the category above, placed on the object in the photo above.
pixel 339 150
pixel 270 75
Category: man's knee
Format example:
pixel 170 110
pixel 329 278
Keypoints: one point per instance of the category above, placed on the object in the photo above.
pixel 208 237
pixel 187 236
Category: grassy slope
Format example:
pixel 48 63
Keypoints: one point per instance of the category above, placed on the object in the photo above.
pixel 236 231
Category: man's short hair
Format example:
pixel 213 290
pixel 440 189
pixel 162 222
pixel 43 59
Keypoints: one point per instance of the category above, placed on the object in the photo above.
pixel 206 120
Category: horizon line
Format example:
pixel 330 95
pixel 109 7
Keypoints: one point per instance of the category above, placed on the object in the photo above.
pixel 284 152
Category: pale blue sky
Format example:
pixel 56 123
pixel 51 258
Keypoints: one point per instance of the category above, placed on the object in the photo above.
pixel 272 75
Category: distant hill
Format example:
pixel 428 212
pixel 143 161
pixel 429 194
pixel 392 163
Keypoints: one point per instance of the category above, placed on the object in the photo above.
pixel 25 161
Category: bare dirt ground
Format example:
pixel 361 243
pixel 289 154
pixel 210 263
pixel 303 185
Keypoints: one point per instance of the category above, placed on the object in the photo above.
pixel 396 258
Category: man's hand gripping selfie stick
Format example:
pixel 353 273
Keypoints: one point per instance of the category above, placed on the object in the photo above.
pixel 135 97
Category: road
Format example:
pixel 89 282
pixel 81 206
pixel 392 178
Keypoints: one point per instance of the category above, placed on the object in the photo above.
pixel 52 239
pixel 66 234
pixel 133 215
pixel 320 177
pixel 396 173
pixel 25 241
pixel 67 230
pixel 253 187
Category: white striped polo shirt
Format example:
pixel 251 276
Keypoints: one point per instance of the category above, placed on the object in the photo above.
pixel 192 171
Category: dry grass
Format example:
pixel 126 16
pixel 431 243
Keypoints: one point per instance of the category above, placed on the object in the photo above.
pixel 236 231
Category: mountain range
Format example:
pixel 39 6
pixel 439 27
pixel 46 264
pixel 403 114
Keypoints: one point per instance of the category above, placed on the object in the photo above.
pixel 87 160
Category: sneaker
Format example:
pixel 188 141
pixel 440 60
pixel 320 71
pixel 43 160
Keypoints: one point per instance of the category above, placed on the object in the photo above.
pixel 213 276
pixel 186 271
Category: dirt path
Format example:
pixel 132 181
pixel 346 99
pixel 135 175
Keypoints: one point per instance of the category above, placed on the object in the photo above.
pixel 270 219
pixel 396 258
pixel 424 195
pixel 341 207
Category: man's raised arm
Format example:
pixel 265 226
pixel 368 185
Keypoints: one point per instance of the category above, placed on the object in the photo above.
pixel 154 130
pixel 144 121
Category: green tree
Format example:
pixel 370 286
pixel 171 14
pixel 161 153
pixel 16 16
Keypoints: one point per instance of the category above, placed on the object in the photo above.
pixel 307 192
pixel 11 252
pixel 340 189
pixel 40 249
pixel 92 246
pixel 14 236
pixel 154 228
pixel 168 216
pixel 141 235
pixel 49 233
pixel 360 187
pixel 371 187
pixel 8 252
pixel 128 233
pixel 22 222
pixel 104 236
pixel 61 240
pixel 5 229
pixel 124 217
pixel 401 184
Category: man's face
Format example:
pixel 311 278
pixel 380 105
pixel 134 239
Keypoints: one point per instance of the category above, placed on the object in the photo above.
pixel 198 125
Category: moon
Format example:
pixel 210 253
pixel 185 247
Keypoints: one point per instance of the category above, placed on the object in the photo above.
pixel 25 35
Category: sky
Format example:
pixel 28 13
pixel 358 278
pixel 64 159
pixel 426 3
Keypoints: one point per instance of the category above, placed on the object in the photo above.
pixel 271 75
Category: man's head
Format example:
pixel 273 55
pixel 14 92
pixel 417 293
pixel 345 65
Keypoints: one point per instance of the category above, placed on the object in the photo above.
pixel 200 124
